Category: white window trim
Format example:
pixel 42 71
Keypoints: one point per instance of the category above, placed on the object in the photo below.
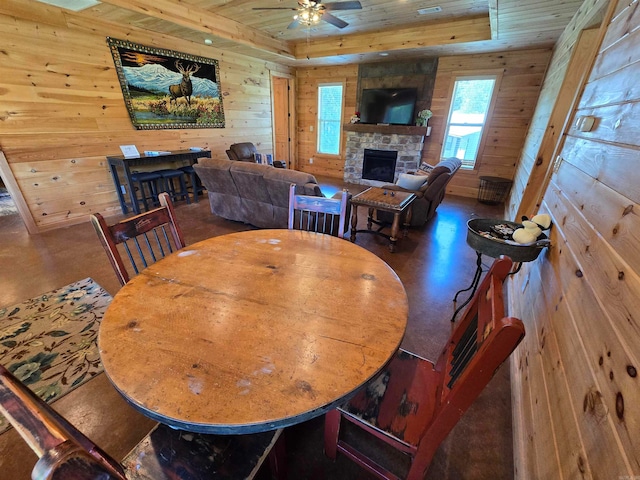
pixel 495 75
pixel 329 84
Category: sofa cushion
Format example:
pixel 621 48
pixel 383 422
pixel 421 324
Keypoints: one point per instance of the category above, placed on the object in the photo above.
pixel 256 205
pixel 260 192
pixel 222 191
pixel 277 182
pixel 411 182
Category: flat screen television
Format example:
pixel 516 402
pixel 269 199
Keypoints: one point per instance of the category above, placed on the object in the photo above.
pixel 395 106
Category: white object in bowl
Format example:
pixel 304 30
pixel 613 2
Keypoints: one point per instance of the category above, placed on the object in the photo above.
pixel 523 236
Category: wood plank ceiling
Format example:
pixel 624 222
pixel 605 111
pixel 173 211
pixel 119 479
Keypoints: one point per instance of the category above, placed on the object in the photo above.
pixel 381 27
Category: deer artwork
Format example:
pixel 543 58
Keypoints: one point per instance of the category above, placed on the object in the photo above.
pixel 184 88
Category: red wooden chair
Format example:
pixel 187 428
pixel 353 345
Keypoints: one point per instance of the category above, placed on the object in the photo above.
pixel 413 404
pixel 145 237
pixel 64 453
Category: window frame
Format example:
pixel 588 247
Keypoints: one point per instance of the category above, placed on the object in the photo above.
pixel 340 84
pixel 496 76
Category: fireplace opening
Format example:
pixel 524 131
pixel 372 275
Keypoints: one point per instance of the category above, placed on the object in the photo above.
pixel 379 165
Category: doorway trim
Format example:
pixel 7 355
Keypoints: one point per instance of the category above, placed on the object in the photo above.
pixel 16 195
pixel 291 116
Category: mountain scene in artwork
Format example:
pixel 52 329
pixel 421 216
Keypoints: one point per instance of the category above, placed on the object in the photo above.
pixel 155 78
pixel 172 92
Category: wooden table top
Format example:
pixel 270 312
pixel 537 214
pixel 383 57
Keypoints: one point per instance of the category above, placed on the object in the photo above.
pixel 383 198
pixel 252 331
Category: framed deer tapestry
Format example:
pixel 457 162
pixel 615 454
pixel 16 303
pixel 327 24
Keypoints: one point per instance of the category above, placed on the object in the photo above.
pixel 167 89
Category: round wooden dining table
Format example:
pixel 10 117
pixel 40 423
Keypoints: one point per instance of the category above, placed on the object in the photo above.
pixel 252 331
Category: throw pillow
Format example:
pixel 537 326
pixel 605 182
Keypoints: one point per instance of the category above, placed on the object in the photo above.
pixel 411 182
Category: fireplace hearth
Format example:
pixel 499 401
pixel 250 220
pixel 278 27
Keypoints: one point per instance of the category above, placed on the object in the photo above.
pixel 379 165
pixel 405 141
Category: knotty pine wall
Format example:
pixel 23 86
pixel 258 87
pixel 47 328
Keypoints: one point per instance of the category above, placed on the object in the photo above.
pixel 551 111
pixel 575 376
pixel 307 81
pixel 62 110
pixel 522 75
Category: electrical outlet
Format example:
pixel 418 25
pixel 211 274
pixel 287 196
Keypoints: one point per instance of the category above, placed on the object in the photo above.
pixel 311 128
pixel 311 160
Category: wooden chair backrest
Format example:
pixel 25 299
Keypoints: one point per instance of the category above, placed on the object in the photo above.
pixel 63 451
pixel 144 237
pixel 482 340
pixel 317 214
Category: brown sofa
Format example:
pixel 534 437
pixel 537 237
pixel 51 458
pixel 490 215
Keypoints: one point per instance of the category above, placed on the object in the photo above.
pixel 252 193
pixel 430 195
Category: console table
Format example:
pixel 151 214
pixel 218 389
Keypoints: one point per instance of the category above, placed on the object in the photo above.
pixel 189 157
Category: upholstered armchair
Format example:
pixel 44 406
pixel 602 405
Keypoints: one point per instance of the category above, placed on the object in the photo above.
pixel 430 194
pixel 243 152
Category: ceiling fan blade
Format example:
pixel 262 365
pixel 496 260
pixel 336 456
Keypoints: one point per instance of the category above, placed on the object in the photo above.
pixel 335 21
pixel 294 24
pixel 274 8
pixel 355 5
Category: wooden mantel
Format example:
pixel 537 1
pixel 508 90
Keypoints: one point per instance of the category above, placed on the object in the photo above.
pixel 391 129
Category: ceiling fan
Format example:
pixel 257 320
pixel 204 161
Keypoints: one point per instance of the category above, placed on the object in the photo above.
pixel 310 12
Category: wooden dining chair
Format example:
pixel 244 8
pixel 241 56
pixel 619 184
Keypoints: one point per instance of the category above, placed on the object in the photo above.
pixel 64 453
pixel 413 404
pixel 317 214
pixel 145 238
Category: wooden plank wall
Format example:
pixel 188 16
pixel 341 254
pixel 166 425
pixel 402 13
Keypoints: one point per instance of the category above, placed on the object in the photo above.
pixel 531 156
pixel 522 75
pixel 575 377
pixel 307 81
pixel 62 109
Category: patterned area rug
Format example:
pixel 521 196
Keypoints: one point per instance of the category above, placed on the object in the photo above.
pixel 7 206
pixel 50 342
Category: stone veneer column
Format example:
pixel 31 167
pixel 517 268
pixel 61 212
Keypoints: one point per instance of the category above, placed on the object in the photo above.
pixel 409 148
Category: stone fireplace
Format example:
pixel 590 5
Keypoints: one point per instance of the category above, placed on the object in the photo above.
pixel 407 141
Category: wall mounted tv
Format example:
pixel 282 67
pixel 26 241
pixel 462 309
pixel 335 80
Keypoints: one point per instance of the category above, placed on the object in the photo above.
pixel 395 106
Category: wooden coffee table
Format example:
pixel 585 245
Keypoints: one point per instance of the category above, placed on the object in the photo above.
pixel 376 198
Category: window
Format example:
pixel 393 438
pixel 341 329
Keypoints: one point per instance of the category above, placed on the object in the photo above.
pixel 329 118
pixel 469 107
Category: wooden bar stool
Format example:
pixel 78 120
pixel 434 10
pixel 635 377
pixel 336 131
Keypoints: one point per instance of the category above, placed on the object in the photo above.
pixel 168 177
pixel 194 181
pixel 150 179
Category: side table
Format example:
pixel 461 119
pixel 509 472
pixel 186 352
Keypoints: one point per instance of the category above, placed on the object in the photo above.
pixel 376 198
pixel 480 237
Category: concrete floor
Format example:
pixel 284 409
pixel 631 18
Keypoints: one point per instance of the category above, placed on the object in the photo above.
pixel 433 263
